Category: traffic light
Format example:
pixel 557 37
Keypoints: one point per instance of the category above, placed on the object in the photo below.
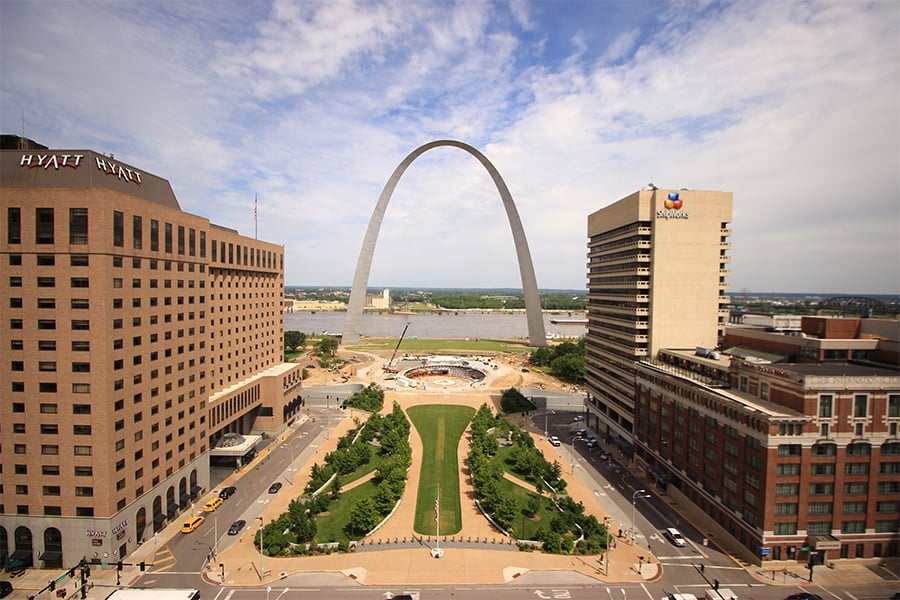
pixel 119 566
pixel 143 565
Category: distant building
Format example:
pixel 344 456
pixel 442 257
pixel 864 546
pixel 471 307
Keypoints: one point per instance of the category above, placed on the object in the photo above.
pixel 379 302
pixel 136 338
pixel 795 455
pixel 657 267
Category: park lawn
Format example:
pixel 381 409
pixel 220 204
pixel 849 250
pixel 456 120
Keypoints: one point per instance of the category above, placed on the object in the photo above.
pixel 333 527
pixel 526 527
pixel 440 427
pixel 443 345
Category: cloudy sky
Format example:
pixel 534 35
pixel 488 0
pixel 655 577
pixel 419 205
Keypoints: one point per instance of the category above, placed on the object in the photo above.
pixel 791 105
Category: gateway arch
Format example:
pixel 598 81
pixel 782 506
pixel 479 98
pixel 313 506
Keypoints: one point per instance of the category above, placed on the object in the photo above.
pixel 536 333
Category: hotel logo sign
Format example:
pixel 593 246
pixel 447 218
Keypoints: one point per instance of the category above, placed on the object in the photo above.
pixel 673 208
pixel 73 161
pixel 45 161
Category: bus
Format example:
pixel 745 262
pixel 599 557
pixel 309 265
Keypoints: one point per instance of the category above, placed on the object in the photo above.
pixel 155 594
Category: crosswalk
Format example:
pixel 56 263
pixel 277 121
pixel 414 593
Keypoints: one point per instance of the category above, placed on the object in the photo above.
pixel 163 560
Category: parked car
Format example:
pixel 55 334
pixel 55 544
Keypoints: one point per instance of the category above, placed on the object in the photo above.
pixel 555 440
pixel 580 432
pixel 237 527
pixel 606 456
pixel 273 489
pixel 675 537
pixel 806 596
pixel 591 442
pixel 578 418
pixel 192 524
pixel 212 505
pixel 227 492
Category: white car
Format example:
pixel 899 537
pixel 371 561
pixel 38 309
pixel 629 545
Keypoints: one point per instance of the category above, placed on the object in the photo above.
pixel 578 418
pixel 675 537
pixel 555 440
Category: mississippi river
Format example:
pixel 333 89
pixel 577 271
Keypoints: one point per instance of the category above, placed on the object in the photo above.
pixel 433 325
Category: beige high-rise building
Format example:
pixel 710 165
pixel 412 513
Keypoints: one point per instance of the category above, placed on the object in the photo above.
pixel 135 336
pixel 657 267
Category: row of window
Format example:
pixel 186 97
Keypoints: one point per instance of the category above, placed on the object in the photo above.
pixel 53 429
pixel 827 489
pixel 50 365
pixel 827 508
pixel 56 511
pixel 825 527
pixel 853 468
pixel 183 240
pixel 830 449
pixel 53 490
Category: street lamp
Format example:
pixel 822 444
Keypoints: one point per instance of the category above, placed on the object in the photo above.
pixel 606 522
pixel 634 497
pixel 260 548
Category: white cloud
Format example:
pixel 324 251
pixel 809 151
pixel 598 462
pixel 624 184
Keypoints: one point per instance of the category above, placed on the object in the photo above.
pixel 311 105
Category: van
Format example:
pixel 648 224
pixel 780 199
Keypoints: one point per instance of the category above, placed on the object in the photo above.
pixel 719 594
pixel 679 597
pixel 192 524
pixel 675 536
pixel 212 505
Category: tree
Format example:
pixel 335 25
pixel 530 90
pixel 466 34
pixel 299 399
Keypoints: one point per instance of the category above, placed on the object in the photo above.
pixel 363 517
pixel 569 367
pixel 294 340
pixel 327 346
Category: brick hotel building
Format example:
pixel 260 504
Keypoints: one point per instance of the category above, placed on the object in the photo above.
pixel 785 440
pixel 135 337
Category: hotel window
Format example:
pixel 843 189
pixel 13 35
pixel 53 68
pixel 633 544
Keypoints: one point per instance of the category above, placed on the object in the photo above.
pixel 80 282
pixel 764 391
pixel 821 469
pixel 826 405
pixel 81 388
pixel 202 244
pixel 819 508
pixel 893 405
pixel 168 238
pixel 52 470
pixel 78 226
pixel 46 324
pixel 785 528
pixel 853 508
pixel 181 239
pixel 16 344
pixel 787 489
pixel 46 282
pixel 818 527
pixel 49 429
pixel 81 367
pixel 137 232
pixel 83 451
pixel 118 229
pixel 154 235
pixel 15 323
pixel 859 487
pixel 80 303
pixel 821 489
pixel 47 365
pixel 860 406
pixel 43 226
pixel 859 449
pixel 46 260
pixel 79 260
pixel 889 468
pixel 790 450
pixel 81 324
pixel 49 449
pixel 15 260
pixel 17 303
pixel 785 508
pixel 192 242
pixel 824 449
pixel 14 225
pixel 891 526
pixel 853 527
pixel 15 281
pixel 856 469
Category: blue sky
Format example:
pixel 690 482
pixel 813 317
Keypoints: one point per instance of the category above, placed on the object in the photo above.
pixel 794 106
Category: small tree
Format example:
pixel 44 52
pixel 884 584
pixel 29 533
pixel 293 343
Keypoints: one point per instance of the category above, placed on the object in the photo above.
pixel 327 346
pixel 294 340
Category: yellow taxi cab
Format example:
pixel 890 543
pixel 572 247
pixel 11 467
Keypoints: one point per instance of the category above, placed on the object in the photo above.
pixel 192 524
pixel 212 505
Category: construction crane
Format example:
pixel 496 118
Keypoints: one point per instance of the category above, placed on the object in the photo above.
pixel 390 366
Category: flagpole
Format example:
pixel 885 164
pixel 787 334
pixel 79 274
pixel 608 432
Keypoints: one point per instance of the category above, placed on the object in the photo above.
pixel 437 515
pixel 255 223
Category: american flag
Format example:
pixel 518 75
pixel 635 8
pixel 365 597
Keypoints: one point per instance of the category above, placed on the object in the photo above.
pixel 437 506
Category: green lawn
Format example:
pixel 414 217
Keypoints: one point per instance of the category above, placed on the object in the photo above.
pixel 441 428
pixel 333 528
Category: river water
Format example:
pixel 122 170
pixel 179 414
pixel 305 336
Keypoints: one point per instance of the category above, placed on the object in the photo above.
pixel 451 325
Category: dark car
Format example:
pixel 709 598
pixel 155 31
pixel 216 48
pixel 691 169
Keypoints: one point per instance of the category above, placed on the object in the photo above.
pixel 804 596
pixel 273 489
pixel 6 589
pixel 229 491
pixel 237 527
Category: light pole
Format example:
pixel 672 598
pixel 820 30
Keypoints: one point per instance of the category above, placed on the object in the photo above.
pixel 634 497
pixel 607 521
pixel 575 456
pixel 215 551
pixel 260 547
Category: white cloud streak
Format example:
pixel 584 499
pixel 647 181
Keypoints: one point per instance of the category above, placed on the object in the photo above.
pixel 793 106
